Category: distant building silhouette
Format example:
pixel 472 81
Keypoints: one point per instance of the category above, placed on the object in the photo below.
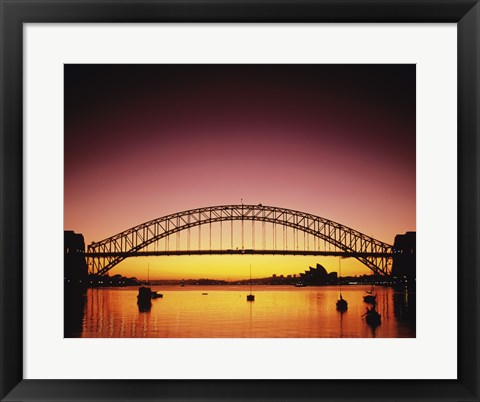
pixel 318 276
pixel 75 267
pixel 404 256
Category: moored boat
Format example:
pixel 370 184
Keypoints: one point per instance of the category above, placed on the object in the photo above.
pixel 342 304
pixel 370 299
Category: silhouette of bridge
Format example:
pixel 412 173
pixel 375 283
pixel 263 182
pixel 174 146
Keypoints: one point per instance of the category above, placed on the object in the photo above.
pixel 321 237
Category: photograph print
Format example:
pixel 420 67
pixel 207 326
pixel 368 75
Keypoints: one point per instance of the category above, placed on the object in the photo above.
pixel 239 201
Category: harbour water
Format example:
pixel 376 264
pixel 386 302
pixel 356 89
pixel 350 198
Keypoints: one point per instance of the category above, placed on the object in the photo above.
pixel 223 312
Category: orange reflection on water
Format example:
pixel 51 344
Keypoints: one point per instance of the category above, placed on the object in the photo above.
pixel 278 311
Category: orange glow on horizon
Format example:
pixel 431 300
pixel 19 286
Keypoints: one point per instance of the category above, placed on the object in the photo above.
pixel 230 267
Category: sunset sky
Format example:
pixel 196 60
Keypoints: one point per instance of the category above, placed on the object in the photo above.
pixel 144 141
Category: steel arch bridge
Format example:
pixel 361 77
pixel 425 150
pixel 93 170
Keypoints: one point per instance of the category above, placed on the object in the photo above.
pixel 106 254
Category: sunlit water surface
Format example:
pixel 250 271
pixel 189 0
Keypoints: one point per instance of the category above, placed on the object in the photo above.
pixel 278 311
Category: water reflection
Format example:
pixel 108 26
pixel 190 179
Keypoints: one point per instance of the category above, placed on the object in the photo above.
pixel 404 306
pixel 74 311
pixel 144 307
pixel 278 311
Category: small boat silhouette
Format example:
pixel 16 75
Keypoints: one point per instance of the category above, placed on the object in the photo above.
pixel 370 299
pixel 250 297
pixel 145 295
pixel 342 304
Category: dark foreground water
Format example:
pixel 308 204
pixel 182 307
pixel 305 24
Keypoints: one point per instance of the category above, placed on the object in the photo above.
pixel 278 311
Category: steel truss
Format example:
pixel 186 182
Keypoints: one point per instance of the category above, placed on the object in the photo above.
pixel 106 254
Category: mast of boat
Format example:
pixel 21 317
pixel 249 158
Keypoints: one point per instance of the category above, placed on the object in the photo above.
pixel 342 304
pixel 250 297
pixel 250 279
pixel 340 274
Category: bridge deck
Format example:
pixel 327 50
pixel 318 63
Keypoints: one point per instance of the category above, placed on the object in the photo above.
pixel 238 252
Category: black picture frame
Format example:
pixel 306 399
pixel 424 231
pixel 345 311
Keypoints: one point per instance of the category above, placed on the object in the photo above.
pixel 14 13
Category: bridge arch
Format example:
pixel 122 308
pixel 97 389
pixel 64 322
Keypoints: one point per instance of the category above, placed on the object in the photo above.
pixel 106 254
